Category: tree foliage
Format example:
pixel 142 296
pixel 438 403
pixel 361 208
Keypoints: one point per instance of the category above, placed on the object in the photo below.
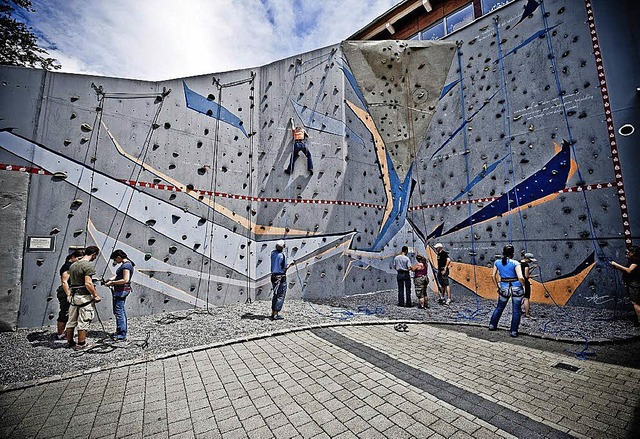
pixel 18 44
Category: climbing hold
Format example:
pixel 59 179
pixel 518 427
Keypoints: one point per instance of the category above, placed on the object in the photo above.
pixel 54 231
pixel 151 222
pixel 86 127
pixel 73 116
pixel 76 202
pixel 39 261
pixel 60 175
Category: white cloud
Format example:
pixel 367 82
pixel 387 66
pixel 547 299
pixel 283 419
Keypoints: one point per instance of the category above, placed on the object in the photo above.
pixel 163 39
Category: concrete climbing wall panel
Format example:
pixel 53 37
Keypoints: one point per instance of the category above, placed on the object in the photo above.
pixel 519 152
pixel 500 134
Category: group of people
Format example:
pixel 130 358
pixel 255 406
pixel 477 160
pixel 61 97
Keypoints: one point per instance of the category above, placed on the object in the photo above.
pixel 77 295
pixel 402 265
pixel 511 278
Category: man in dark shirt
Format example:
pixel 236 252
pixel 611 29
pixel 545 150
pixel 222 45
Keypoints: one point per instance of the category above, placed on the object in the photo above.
pixel 444 261
pixel 278 279
pixel 63 293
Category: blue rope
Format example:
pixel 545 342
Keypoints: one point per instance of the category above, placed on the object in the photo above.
pixel 468 314
pixel 506 124
pixel 598 250
pixel 340 313
pixel 580 355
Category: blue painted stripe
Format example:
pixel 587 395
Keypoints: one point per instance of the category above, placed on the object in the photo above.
pixel 548 180
pixel 447 88
pixel 201 104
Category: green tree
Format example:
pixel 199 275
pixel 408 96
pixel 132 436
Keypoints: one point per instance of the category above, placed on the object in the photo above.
pixel 18 44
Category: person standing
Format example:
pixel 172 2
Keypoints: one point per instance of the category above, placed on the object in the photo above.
pixel 83 297
pixel 507 274
pixel 631 278
pixel 443 274
pixel 120 286
pixel 402 265
pixel 526 267
pixel 279 269
pixel 421 280
pixel 300 137
pixel 63 293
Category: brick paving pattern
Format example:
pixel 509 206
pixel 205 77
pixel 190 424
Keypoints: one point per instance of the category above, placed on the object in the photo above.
pixel 352 381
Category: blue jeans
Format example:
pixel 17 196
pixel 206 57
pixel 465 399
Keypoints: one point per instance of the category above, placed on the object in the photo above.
pixel 120 313
pixel 516 293
pixel 300 146
pixel 279 284
pixel 404 288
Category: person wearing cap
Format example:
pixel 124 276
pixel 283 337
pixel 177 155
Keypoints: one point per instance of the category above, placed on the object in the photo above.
pixel 278 279
pixel 631 277
pixel 507 274
pixel 402 265
pixel 444 289
pixel 526 267
pixel 300 137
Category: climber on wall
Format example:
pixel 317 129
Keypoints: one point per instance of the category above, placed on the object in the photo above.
pixel 300 137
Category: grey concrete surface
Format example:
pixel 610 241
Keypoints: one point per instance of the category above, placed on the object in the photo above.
pixel 356 381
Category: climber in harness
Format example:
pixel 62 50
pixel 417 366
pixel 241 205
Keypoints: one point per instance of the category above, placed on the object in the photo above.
pixel 300 137
pixel 279 269
pixel 120 286
pixel 83 298
pixel 507 274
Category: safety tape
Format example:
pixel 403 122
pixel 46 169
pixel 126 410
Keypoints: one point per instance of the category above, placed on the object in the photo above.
pixel 171 188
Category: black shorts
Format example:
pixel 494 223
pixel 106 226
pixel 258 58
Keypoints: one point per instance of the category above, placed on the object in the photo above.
pixel 63 314
pixel 443 279
pixel 527 290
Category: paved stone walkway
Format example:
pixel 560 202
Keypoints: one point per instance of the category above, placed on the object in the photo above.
pixel 342 382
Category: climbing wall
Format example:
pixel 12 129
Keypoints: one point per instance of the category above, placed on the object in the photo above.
pixel 500 134
pixel 522 152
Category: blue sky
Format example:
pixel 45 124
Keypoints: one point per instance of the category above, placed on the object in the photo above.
pixel 163 39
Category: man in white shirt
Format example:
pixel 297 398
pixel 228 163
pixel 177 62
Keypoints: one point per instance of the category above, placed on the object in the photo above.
pixel 402 264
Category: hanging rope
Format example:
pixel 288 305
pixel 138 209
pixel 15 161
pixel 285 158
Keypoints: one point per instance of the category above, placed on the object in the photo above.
pixel 250 236
pixel 467 314
pixel 506 124
pixel 596 247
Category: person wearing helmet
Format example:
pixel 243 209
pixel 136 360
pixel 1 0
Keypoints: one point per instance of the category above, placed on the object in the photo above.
pixel 278 279
pixel 300 137
pixel 507 274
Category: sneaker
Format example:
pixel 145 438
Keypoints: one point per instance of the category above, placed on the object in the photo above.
pixel 426 306
pixel 278 317
pixel 448 301
pixel 514 334
pixel 492 328
pixel 70 344
pixel 82 347
pixel 441 301
pixel 60 337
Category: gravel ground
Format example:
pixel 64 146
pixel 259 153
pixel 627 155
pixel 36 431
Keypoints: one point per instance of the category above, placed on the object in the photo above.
pixel 32 354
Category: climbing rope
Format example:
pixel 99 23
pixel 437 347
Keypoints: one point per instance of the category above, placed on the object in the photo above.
pixel 506 126
pixel 467 314
pixel 596 247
